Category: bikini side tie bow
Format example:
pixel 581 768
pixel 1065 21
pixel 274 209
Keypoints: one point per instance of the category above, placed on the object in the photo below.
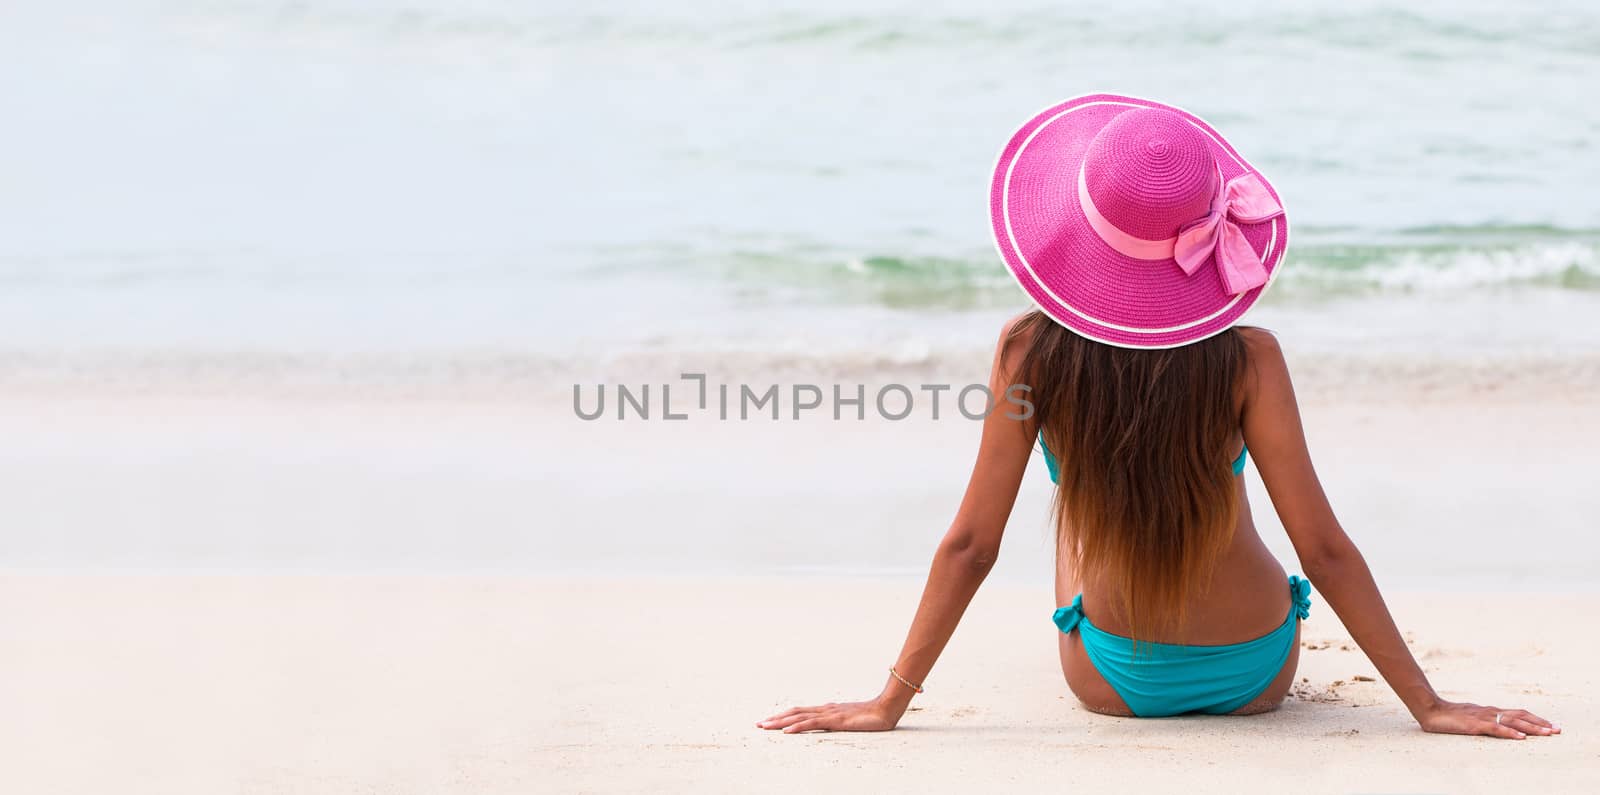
pixel 1067 618
pixel 1243 200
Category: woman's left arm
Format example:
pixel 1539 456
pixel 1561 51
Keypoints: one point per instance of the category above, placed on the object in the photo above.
pixel 960 565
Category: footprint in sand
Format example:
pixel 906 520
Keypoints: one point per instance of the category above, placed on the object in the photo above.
pixel 1314 694
pixel 1335 692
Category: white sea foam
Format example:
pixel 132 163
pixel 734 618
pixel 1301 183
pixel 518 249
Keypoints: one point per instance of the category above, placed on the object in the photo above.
pixel 1560 264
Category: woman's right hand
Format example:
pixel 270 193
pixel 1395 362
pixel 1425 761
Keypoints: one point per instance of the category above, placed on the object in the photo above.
pixel 855 716
pixel 1449 717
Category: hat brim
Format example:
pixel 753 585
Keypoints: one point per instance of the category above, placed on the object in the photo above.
pixel 1079 280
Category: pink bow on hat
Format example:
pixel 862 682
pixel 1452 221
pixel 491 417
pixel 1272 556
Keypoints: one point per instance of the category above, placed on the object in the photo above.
pixel 1244 200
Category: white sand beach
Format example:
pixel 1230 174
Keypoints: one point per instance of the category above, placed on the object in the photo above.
pixel 515 685
pixel 332 594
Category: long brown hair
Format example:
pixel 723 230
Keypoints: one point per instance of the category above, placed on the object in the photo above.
pixel 1146 501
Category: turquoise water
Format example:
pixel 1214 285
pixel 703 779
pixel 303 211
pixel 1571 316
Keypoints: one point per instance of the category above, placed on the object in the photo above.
pixel 333 176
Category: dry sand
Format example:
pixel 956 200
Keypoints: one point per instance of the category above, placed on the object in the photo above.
pixel 554 606
pixel 432 684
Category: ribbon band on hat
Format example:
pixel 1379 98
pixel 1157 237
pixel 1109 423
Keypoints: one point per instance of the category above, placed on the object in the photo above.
pixel 1124 243
pixel 1243 199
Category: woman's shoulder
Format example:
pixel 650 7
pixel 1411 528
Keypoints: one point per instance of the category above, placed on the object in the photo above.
pixel 1261 349
pixel 1020 327
pixel 1259 341
pixel 1017 333
pixel 1016 339
pixel 1267 371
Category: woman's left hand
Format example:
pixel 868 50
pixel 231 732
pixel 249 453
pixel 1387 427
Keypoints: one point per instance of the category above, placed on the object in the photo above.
pixel 856 716
pixel 1448 717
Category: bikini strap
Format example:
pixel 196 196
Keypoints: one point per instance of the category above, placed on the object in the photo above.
pixel 1067 618
pixel 1300 594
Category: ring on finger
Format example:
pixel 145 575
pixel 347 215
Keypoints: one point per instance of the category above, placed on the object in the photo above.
pixel 1497 718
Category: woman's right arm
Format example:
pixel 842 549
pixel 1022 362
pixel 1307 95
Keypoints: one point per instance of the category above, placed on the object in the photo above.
pixel 1273 433
pixel 960 564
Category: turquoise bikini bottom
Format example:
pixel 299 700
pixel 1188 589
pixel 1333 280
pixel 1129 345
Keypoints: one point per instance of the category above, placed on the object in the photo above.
pixel 1165 679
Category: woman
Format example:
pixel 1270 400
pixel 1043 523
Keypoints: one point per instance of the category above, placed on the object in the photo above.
pixel 1142 236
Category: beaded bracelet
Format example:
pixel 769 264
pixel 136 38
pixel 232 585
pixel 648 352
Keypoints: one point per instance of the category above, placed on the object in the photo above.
pixel 904 681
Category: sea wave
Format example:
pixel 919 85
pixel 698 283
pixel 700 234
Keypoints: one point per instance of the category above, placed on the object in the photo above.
pixel 1563 259
pixel 1336 270
pixel 1435 259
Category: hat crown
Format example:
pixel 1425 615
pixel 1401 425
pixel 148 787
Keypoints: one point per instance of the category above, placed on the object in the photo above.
pixel 1150 172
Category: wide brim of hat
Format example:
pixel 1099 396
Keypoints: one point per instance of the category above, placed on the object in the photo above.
pixel 1074 276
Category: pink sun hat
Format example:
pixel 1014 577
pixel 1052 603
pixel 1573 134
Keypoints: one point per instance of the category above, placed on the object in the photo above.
pixel 1134 223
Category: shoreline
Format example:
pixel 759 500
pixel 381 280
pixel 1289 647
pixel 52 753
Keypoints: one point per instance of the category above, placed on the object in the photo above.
pixel 544 381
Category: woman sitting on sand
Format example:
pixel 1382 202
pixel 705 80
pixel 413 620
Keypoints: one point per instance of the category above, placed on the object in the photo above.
pixel 1142 236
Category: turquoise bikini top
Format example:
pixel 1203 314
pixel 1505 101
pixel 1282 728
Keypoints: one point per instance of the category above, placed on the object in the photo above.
pixel 1055 467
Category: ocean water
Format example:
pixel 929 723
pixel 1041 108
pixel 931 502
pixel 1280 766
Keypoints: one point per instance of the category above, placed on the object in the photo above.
pixel 434 179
